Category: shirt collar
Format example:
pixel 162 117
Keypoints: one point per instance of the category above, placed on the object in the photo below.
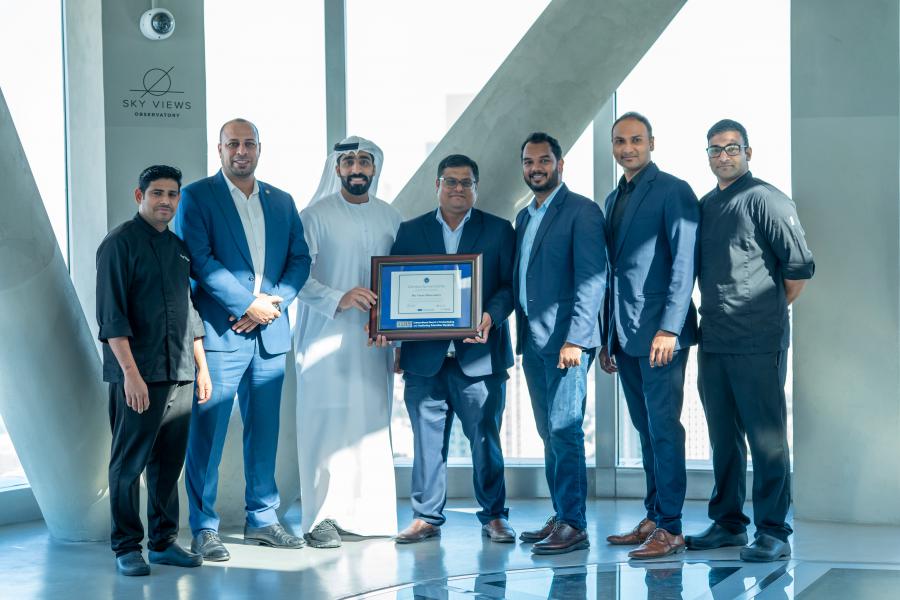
pixel 147 227
pixel 736 185
pixel 628 186
pixel 440 219
pixel 532 206
pixel 232 187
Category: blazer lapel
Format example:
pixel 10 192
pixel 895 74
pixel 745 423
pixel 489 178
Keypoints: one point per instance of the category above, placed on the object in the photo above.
pixel 521 224
pixel 634 203
pixel 270 218
pixel 471 232
pixel 547 221
pixel 223 199
pixel 434 237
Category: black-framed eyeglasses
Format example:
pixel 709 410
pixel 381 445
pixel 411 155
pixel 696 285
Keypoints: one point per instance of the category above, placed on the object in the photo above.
pixel 730 150
pixel 451 183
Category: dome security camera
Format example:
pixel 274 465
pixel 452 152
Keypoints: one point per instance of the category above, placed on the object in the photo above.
pixel 157 24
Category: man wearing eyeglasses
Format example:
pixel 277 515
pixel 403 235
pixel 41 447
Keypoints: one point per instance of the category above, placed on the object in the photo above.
pixel 462 377
pixel 754 262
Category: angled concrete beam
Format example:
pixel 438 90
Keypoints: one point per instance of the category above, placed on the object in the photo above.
pixel 556 79
pixel 53 401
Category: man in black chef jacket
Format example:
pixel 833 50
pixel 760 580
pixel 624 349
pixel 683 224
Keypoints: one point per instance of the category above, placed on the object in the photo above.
pixel 151 338
pixel 754 262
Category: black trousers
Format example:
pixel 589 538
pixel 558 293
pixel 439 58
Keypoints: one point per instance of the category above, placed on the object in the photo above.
pixel 743 395
pixel 155 440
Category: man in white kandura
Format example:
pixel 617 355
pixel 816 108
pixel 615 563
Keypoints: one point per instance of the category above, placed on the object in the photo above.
pixel 344 387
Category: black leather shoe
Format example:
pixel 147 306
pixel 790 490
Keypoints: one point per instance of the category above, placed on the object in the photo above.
pixel 324 535
pixel 499 531
pixel 536 535
pixel 715 536
pixel 208 545
pixel 132 564
pixel 272 535
pixel 766 548
pixel 176 556
pixel 564 538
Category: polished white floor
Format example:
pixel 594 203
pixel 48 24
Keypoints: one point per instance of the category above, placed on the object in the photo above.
pixel 830 561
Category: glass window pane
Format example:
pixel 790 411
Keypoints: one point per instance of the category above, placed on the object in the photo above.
pixel 452 54
pixel 32 83
pixel 747 79
pixel 276 80
pixel 11 472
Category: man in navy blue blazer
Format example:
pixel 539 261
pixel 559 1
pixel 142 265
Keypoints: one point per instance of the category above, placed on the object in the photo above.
pixel 559 282
pixel 463 377
pixel 650 321
pixel 249 260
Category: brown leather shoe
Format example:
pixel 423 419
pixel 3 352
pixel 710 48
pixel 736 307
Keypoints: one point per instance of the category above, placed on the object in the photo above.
pixel 564 538
pixel 660 543
pixel 536 535
pixel 417 531
pixel 634 537
pixel 499 531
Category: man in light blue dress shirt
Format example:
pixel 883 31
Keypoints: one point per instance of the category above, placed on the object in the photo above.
pixel 560 283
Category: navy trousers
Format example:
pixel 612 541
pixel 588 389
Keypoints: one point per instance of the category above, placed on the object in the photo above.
pixel 256 377
pixel 655 396
pixel 479 403
pixel 558 398
pixel 743 396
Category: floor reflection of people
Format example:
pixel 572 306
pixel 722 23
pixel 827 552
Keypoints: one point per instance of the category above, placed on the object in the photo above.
pixel 568 584
pixel 664 584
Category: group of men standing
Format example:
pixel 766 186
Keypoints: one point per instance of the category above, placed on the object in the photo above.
pixel 577 280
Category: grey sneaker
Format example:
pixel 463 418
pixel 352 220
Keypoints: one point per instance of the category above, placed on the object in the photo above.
pixel 272 535
pixel 324 535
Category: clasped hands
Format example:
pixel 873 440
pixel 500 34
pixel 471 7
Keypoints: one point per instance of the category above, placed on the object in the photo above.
pixel 262 311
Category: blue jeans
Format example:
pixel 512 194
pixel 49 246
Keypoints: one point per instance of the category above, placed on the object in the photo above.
pixel 558 397
pixel 256 377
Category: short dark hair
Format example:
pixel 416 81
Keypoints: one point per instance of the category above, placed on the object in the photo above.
pixel 151 174
pixel 457 160
pixel 727 125
pixel 243 122
pixel 539 137
pixel 635 116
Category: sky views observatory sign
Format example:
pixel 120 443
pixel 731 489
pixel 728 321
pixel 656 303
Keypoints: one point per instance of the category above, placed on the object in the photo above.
pixel 155 96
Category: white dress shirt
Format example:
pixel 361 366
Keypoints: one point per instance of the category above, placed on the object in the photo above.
pixel 251 213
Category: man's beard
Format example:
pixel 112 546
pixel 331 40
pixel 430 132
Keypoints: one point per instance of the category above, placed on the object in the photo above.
pixel 550 181
pixel 357 189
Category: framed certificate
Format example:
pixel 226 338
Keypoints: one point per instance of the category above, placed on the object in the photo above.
pixel 426 297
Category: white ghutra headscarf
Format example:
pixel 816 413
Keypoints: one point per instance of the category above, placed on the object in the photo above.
pixel 331 182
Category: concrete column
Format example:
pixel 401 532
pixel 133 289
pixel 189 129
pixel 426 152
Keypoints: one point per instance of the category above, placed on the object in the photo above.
pixel 335 72
pixel 53 402
pixel 555 80
pixel 845 71
pixel 132 102
pixel 607 409
pixel 85 145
